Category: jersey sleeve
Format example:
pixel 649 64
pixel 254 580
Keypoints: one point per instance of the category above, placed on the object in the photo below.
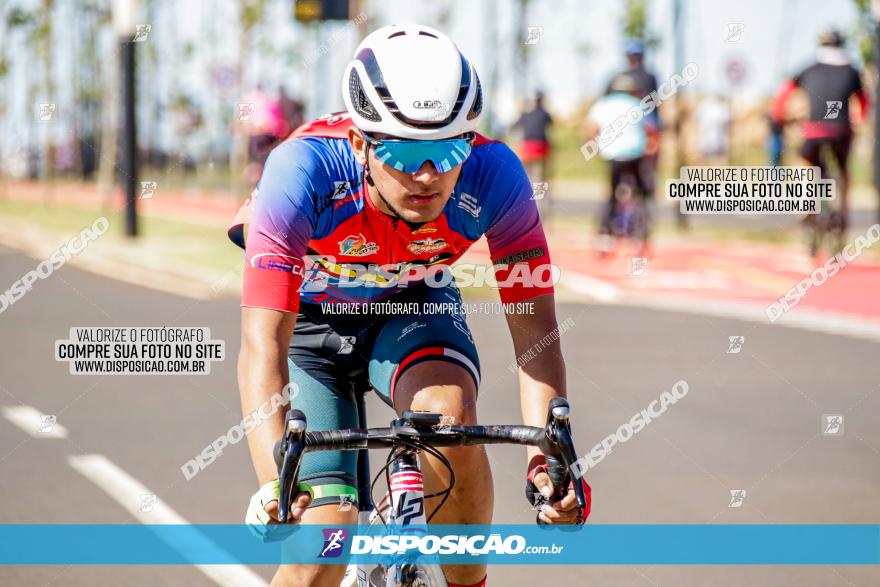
pixel 281 225
pixel 517 244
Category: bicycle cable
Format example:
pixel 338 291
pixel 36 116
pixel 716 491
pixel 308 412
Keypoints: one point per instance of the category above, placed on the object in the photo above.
pixel 418 445
pixel 445 492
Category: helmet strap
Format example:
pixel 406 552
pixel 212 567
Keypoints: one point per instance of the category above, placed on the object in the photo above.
pixel 373 185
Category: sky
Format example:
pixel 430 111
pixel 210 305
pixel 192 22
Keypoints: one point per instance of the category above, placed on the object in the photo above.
pixel 579 48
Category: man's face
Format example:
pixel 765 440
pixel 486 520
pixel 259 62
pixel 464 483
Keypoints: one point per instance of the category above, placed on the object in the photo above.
pixel 417 197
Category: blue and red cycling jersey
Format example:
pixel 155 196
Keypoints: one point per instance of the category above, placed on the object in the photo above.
pixel 312 234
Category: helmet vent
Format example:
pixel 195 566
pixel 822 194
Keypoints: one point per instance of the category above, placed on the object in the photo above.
pixel 359 99
pixel 427 34
pixel 478 101
pixel 397 34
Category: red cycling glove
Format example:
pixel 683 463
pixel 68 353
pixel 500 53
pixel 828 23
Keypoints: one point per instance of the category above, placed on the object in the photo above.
pixel 536 498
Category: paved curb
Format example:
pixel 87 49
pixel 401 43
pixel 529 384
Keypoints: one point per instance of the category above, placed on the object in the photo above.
pixel 126 262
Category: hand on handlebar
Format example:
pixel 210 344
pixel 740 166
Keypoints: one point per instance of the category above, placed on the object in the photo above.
pixel 555 507
pixel 262 511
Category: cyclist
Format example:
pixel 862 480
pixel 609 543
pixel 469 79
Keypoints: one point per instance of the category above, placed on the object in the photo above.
pixel 355 208
pixel 646 82
pixel 625 146
pixel 830 82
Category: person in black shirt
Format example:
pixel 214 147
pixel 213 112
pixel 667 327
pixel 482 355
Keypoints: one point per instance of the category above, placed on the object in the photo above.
pixel 646 82
pixel 830 82
pixel 535 147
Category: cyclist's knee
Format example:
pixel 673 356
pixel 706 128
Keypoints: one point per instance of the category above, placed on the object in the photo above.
pixel 308 575
pixel 440 387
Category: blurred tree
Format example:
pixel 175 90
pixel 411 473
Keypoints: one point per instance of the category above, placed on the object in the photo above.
pixel 91 17
pixel 37 25
pixel 634 23
pixel 24 22
pixel 251 13
pixel 109 84
pixel 45 51
pixel 865 31
pixel 4 74
pixel 520 53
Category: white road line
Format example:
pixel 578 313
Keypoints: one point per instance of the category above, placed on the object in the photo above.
pixel 127 492
pixel 802 318
pixel 34 422
pixel 599 290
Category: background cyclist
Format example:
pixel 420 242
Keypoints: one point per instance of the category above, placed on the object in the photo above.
pixel 625 146
pixel 830 82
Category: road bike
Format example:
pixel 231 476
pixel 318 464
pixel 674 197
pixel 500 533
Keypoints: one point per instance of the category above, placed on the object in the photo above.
pixel 630 216
pixel 403 504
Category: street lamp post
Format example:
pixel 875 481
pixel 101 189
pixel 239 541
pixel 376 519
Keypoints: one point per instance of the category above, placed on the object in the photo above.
pixel 124 24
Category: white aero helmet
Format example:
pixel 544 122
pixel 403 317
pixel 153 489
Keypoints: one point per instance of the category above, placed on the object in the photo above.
pixel 412 82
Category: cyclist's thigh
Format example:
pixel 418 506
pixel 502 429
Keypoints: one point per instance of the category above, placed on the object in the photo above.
pixel 811 152
pixel 326 399
pixel 438 334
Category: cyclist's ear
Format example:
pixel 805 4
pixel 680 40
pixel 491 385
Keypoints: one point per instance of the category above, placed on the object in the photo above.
pixel 358 144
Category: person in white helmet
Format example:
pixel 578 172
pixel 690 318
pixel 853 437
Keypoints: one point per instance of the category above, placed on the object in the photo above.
pixel 352 215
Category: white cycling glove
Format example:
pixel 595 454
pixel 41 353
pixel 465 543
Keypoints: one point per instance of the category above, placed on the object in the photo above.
pixel 256 513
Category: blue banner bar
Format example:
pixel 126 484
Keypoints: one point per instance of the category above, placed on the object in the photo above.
pixel 764 544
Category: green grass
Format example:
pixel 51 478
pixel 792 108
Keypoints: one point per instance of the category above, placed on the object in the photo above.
pixel 180 242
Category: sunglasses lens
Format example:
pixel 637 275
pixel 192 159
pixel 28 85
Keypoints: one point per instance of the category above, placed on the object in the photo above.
pixel 409 156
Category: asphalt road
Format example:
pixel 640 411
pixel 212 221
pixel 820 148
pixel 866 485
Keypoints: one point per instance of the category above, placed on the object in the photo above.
pixel 751 420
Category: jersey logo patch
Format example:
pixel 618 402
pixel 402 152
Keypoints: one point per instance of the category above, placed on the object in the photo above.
pixel 468 203
pixel 521 256
pixel 425 229
pixel 357 246
pixel 340 189
pixel 427 245
pixel 832 109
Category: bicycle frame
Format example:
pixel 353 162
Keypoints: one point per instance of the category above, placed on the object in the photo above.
pixel 405 495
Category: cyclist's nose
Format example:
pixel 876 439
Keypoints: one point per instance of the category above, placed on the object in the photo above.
pixel 427 173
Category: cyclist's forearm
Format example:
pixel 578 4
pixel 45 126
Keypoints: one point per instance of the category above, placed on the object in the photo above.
pixel 539 354
pixel 259 379
pixel 540 381
pixel 262 374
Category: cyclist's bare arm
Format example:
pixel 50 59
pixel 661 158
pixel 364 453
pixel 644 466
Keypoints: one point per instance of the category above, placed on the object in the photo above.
pixel 262 372
pixel 542 378
pixel 864 105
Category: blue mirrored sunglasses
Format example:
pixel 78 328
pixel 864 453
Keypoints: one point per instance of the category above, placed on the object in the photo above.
pixel 408 156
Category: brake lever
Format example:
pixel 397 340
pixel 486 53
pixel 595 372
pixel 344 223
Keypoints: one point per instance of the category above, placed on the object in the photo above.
pixel 289 452
pixel 558 433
